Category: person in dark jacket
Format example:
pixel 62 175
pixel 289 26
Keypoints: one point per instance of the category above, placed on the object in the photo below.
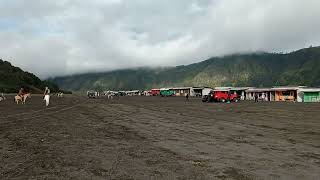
pixel 256 98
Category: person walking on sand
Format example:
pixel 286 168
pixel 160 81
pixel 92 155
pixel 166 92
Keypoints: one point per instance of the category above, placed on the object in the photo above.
pixel 47 96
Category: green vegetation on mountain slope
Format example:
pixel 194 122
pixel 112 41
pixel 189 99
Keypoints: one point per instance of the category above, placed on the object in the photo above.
pixel 256 69
pixel 13 78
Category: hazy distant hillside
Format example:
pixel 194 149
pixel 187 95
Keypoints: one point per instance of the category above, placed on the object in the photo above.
pixel 257 69
pixel 13 78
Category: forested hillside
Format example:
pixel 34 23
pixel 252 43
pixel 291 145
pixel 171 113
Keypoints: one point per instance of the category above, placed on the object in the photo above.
pixel 256 69
pixel 13 78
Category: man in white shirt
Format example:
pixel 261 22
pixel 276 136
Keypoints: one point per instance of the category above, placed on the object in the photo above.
pixel 47 96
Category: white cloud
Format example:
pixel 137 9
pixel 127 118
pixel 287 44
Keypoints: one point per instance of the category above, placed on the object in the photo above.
pixel 52 38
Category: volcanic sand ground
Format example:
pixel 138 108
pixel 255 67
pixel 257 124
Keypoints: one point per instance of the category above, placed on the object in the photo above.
pixel 158 138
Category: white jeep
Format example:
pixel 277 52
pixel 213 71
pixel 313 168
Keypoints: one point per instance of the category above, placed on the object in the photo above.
pixel 92 94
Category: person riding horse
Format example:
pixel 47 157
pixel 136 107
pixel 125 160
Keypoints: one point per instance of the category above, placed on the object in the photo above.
pixel 21 92
pixel 22 96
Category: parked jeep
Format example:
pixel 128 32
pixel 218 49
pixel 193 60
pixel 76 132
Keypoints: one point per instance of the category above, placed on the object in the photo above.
pixel 221 96
pixel 166 92
pixel 92 94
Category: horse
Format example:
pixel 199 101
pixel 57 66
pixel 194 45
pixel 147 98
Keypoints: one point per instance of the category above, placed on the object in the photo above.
pixel 18 98
pixel 2 98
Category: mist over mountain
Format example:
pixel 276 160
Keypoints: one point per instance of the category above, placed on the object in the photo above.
pixel 300 67
pixel 66 37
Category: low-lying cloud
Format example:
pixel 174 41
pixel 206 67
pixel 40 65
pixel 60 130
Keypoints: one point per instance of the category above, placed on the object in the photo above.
pixel 55 38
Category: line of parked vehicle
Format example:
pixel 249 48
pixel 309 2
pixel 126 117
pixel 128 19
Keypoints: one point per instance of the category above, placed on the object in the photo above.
pixel 95 94
pixel 209 96
pixel 163 92
pixel 228 94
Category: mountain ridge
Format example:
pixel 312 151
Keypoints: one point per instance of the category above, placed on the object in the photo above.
pixel 301 67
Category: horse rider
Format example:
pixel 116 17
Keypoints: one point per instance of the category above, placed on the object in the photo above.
pixel 21 92
pixel 46 95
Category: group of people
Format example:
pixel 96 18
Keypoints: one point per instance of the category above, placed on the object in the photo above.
pixel 46 95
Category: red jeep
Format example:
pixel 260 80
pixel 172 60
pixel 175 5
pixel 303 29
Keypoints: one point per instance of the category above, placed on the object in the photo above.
pixel 155 92
pixel 222 96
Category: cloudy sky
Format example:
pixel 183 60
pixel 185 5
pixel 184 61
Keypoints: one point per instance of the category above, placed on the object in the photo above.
pixel 62 37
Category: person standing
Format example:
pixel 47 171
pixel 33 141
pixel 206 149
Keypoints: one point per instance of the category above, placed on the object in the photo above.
pixel 187 97
pixel 263 97
pixel 47 96
pixel 256 97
